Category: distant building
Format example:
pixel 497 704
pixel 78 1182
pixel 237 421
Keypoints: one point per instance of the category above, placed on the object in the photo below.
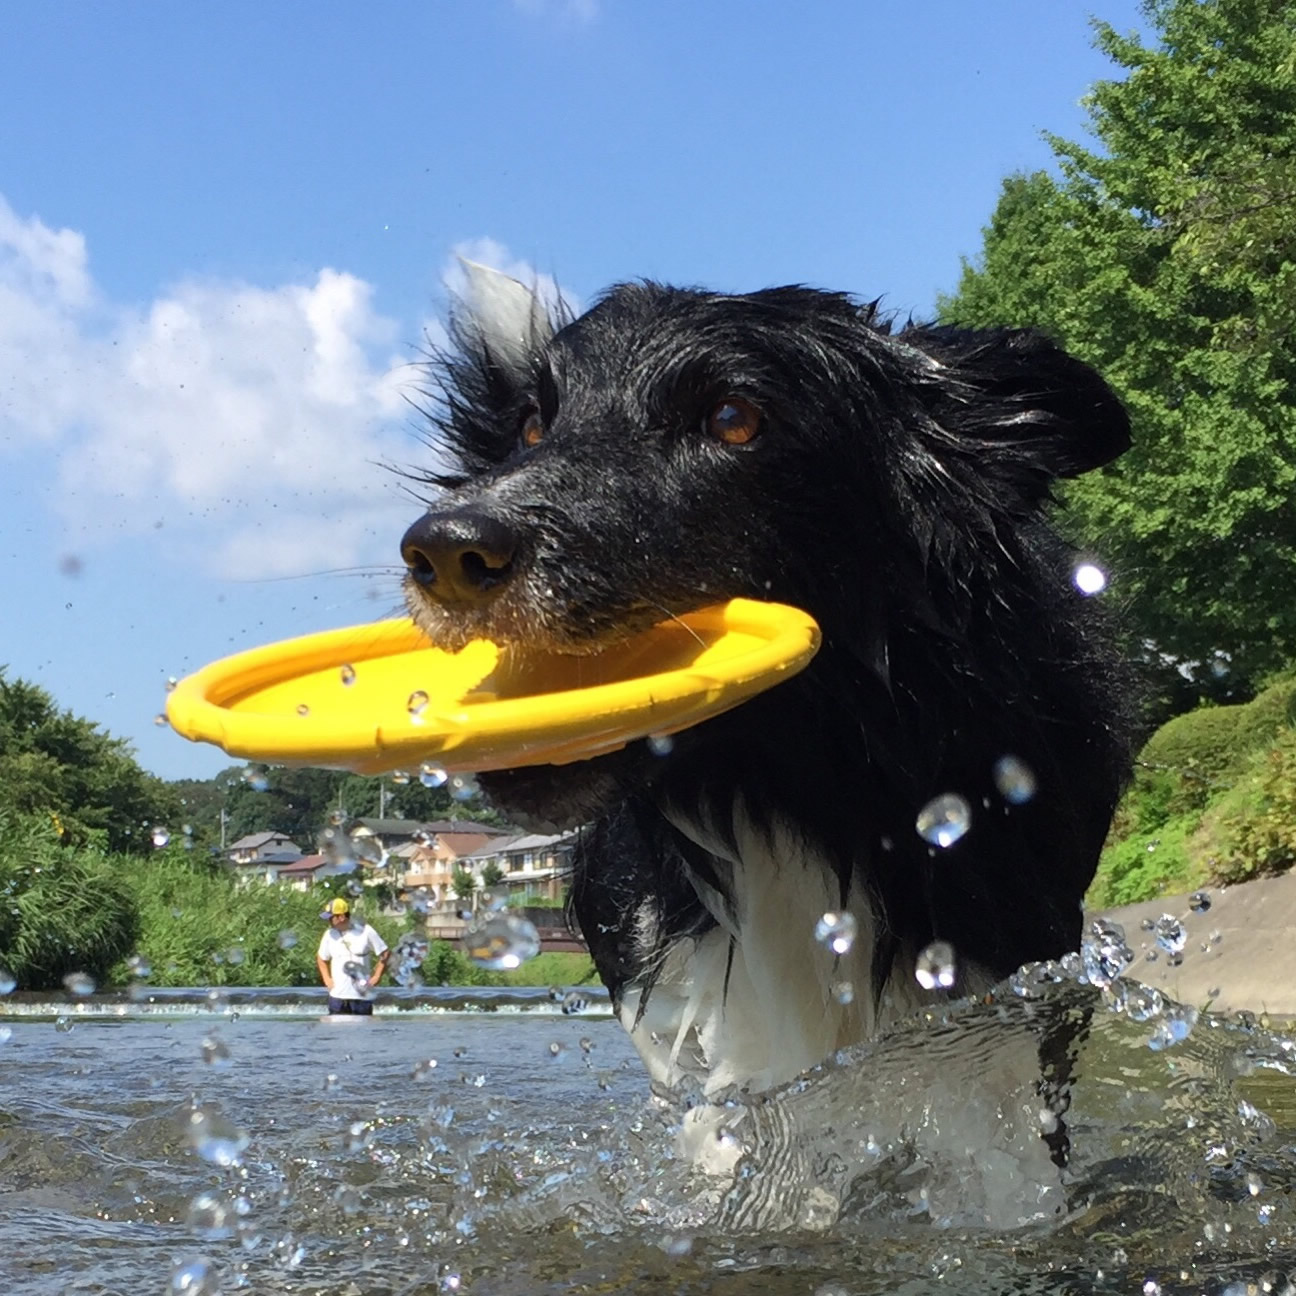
pixel 257 847
pixel 260 856
pixel 534 865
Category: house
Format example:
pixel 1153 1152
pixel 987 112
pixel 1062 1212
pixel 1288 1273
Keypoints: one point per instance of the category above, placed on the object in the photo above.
pixel 261 856
pixel 302 874
pixel 257 847
pixel 533 864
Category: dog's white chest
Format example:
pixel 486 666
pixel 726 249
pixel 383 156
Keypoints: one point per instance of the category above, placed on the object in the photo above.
pixel 759 999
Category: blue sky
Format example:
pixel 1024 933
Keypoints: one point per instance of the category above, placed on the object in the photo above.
pixel 224 230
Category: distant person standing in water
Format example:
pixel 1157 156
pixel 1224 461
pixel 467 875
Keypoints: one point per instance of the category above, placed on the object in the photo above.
pixel 343 960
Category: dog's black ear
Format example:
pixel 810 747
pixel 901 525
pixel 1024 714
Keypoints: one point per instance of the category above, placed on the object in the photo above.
pixel 1014 389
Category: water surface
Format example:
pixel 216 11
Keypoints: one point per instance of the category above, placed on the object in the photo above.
pixel 531 1157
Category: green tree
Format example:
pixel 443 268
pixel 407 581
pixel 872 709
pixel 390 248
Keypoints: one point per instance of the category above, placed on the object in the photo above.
pixel 463 884
pixel 283 799
pixel 56 764
pixel 1166 256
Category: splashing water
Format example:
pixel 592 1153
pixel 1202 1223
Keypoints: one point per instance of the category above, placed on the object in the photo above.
pixel 432 776
pixel 1014 779
pixel 836 931
pixel 79 983
pixel 944 820
pixel 501 941
pixel 936 967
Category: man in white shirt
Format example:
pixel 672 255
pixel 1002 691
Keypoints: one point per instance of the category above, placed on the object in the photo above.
pixel 343 960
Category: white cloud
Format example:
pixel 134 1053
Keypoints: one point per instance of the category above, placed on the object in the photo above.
pixel 248 421
pixel 214 407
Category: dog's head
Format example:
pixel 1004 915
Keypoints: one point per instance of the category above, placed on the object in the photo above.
pixel 672 448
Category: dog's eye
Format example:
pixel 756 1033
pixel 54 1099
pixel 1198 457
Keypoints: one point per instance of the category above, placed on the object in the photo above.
pixel 531 430
pixel 733 421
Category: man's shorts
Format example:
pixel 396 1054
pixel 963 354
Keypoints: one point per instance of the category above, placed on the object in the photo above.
pixel 350 1007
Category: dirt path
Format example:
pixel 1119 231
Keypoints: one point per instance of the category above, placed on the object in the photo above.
pixel 1250 936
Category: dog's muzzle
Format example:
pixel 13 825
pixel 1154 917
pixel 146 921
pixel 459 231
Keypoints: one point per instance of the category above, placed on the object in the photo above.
pixel 460 558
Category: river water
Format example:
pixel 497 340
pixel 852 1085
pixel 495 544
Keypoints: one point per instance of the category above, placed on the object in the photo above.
pixel 490 1142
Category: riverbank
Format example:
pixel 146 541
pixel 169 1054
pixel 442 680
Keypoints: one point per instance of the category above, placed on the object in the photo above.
pixel 1248 962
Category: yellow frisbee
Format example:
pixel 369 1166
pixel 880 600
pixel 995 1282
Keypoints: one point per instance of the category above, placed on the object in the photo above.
pixel 380 697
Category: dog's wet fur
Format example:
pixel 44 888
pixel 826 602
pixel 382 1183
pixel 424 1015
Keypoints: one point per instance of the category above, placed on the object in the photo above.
pixel 672 448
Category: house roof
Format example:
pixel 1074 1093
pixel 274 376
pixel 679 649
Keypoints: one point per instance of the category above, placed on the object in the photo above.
pixel 525 842
pixel 253 840
pixel 408 827
pixel 307 864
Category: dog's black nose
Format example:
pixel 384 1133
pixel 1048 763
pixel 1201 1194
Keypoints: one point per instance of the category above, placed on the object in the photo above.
pixel 462 557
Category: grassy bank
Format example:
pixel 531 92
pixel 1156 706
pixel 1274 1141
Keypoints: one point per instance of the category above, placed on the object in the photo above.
pixel 1213 802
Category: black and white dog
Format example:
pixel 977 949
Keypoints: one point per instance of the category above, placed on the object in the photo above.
pixel 673 448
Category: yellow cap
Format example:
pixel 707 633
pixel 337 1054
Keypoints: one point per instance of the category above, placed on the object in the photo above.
pixel 339 906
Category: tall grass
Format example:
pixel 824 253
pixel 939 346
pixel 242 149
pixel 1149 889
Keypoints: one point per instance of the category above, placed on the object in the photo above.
pixel 62 910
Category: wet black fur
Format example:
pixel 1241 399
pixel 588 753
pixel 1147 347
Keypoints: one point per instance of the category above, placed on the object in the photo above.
pixel 898 491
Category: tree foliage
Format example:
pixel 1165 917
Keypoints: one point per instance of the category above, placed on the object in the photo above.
pixel 56 764
pixel 1166 256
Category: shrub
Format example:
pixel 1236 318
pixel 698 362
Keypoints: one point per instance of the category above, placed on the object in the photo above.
pixel 67 909
pixel 1259 840
pixel 1146 865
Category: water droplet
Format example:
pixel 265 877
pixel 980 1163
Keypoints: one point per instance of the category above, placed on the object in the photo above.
pixel 160 720
pixel 1089 579
pixel 1104 955
pixel 214 1138
pixel 1174 1027
pixel 331 1083
pixel 138 965
pixel 676 1244
pixel 1014 779
pixel 235 955
pixel 935 969
pixel 836 931
pixel 1199 901
pixel 501 941
pixel 586 1044
pixel 63 1024
pixel 1254 1184
pixel 209 1217
pixel 303 709
pixel 79 983
pixel 661 744
pixel 1151 1288
pixel 171 683
pixel 463 787
pixel 255 779
pixel 347 674
pixel 215 1052
pixel 432 776
pixel 416 703
pixel 944 819
pixel 843 991
pixel 193 1276
pixel 1170 934
pixel 358 1136
pixel 423 1070
pixel 7 982
pixel 575 1002
pixel 400 777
